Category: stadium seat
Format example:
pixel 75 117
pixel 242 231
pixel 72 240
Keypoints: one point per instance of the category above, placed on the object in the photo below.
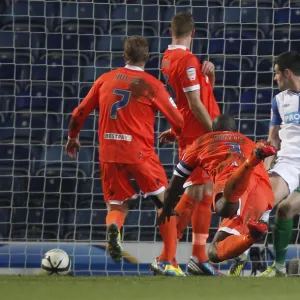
pixel 134 28
pixel 117 60
pixel 282 16
pixel 249 96
pixel 56 158
pixel 105 43
pixel 265 47
pixel 8 90
pixel 90 73
pixel 14 66
pixel 17 15
pixel 152 13
pixel 231 94
pixel 7 39
pixel 5 214
pixel 153 62
pixel 265 65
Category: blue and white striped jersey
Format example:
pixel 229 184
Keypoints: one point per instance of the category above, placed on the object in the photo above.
pixel 286 113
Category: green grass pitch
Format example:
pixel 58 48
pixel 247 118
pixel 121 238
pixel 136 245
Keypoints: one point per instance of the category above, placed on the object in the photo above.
pixel 147 288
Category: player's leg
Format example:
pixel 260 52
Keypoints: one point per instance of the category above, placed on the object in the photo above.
pixel 279 186
pixel 117 190
pixel 284 178
pixel 226 246
pixel 115 219
pixel 193 194
pixel 248 225
pixel 185 208
pixel 282 233
pixel 238 182
pixel 201 219
pixel 152 180
pixel 166 263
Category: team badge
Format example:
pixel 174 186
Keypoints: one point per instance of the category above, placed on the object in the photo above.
pixel 191 73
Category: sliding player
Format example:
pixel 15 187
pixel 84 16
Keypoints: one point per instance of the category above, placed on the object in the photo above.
pixel 284 133
pixel 186 80
pixel 242 190
pixel 128 99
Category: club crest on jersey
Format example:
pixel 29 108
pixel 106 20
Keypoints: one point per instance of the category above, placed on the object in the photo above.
pixel 172 102
pixel 191 73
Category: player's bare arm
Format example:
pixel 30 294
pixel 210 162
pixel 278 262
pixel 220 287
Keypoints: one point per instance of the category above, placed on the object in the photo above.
pixel 275 141
pixel 199 109
pixel 171 197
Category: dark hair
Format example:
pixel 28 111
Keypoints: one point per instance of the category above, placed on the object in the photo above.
pixel 182 24
pixel 289 60
pixel 136 49
pixel 224 123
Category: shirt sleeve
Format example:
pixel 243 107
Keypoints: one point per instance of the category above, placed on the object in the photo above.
pixel 82 111
pixel 275 116
pixel 166 105
pixel 188 162
pixel 188 74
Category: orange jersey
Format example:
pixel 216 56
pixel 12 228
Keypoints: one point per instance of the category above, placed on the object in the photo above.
pixel 128 99
pixel 182 73
pixel 219 153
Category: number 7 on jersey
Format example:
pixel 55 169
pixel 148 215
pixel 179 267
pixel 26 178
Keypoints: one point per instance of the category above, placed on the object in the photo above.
pixel 119 104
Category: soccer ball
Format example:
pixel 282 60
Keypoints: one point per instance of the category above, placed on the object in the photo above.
pixel 56 261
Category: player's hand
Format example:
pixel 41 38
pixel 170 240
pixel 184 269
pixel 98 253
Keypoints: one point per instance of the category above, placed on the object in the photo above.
pixel 167 137
pixel 166 216
pixel 72 147
pixel 208 68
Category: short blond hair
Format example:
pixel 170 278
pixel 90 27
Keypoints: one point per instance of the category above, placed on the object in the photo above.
pixel 182 24
pixel 136 49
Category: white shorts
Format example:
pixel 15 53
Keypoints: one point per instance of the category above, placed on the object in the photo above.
pixel 289 170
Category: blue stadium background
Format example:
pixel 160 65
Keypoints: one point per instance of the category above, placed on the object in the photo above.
pixel 52 51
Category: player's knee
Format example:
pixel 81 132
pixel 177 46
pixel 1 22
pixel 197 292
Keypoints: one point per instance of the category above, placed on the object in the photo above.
pixel 195 191
pixel 208 188
pixel 123 207
pixel 212 253
pixel 226 209
pixel 285 210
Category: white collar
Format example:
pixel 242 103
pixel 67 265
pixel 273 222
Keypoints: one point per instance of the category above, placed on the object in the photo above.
pixel 135 68
pixel 173 47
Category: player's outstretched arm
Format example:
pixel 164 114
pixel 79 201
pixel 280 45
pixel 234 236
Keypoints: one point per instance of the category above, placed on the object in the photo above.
pixel 79 115
pixel 170 199
pixel 182 171
pixel 165 104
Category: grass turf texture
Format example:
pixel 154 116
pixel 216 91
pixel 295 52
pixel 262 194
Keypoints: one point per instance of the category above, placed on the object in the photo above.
pixel 146 288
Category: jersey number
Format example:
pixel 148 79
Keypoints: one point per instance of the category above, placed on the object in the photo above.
pixel 169 88
pixel 234 147
pixel 119 104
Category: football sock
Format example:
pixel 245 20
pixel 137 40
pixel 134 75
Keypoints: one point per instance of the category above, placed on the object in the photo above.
pixel 233 246
pixel 238 182
pixel 115 217
pixel 185 208
pixel 200 226
pixel 168 232
pixel 282 234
